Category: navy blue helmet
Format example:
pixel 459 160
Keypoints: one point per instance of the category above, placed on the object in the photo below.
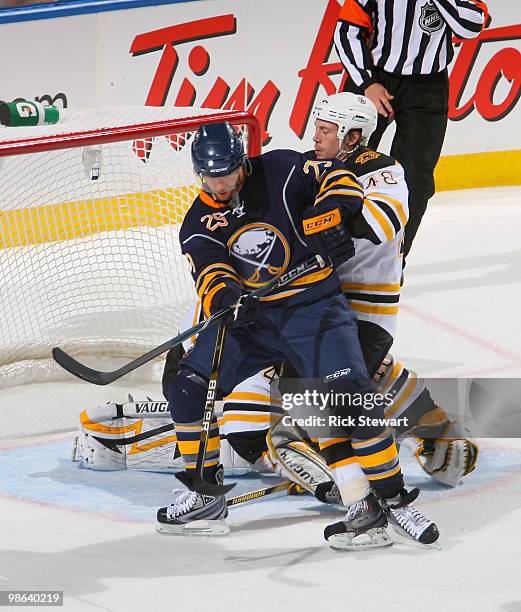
pixel 217 150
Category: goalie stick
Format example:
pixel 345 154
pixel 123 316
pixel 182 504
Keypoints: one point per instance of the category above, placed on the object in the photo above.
pixel 97 377
pixel 240 499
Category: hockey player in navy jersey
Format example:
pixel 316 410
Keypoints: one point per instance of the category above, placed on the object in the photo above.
pixel 246 228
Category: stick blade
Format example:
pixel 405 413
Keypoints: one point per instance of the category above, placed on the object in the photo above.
pixel 80 370
pixel 209 488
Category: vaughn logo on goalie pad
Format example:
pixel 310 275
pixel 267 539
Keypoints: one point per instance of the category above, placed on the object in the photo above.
pixel 152 408
pixel 293 461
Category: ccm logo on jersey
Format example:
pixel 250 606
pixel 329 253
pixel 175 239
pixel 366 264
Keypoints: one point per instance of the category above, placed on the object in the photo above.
pixel 322 222
pixel 338 374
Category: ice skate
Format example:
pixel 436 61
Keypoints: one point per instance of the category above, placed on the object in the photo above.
pixel 193 514
pixel 410 522
pixel 362 528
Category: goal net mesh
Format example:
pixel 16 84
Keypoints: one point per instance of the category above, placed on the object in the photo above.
pixel 89 252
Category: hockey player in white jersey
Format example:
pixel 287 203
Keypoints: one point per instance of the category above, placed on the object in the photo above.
pixel 371 281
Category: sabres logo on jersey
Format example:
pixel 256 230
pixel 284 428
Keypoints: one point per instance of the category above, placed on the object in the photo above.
pixel 259 252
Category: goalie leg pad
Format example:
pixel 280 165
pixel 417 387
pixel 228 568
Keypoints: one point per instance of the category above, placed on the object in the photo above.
pixel 295 459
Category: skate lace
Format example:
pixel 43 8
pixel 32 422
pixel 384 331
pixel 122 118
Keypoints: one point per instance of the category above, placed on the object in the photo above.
pixel 184 501
pixel 356 509
pixel 411 520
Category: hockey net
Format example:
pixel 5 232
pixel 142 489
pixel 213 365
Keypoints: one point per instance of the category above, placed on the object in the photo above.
pixel 90 261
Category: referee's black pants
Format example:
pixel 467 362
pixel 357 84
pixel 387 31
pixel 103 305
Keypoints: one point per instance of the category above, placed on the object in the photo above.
pixel 421 106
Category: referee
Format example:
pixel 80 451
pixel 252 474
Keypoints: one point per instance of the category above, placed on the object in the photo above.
pixel 396 53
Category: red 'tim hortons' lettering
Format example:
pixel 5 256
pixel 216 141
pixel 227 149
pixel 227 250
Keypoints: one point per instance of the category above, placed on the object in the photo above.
pixel 168 40
pixel 505 63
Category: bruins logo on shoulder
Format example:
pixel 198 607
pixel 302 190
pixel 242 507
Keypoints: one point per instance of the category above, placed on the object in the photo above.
pixel 366 156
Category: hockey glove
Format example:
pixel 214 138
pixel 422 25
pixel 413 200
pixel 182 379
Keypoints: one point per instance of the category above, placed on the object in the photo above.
pixel 447 460
pixel 245 311
pixel 327 235
pixel 245 306
pixel 227 296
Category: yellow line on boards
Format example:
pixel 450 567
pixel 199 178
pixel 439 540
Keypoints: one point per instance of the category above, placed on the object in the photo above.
pixel 75 219
pixel 474 170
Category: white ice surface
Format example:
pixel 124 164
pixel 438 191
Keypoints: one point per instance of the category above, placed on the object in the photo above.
pixel 91 534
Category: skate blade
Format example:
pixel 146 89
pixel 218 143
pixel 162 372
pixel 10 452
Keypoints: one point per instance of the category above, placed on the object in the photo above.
pixel 374 538
pixel 199 528
pixel 409 538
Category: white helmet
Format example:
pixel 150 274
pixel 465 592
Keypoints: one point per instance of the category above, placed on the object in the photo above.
pixel 348 111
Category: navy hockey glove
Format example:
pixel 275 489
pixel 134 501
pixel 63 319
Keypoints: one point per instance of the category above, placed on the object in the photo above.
pixel 327 234
pixel 245 306
pixel 245 312
pixel 228 295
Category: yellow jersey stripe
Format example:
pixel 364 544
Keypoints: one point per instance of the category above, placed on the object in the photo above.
pixel 367 287
pixel 215 266
pixel 207 300
pixel 313 277
pixel 380 458
pixel 191 447
pixel 340 177
pixel 344 192
pixel 342 462
pixel 375 310
pixel 246 395
pixel 380 218
pixel 247 418
pixel 396 204
pixel 279 296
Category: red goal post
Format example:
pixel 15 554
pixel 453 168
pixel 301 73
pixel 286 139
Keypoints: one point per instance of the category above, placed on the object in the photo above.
pixel 49 138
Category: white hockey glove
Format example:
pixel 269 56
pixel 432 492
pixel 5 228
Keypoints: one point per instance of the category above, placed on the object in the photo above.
pixel 447 460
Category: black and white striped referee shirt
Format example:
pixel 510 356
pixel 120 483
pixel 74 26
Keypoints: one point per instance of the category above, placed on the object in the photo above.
pixel 403 36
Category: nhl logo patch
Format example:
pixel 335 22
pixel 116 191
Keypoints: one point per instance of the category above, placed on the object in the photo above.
pixel 430 19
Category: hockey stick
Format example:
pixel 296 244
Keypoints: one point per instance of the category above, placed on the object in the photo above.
pixel 240 499
pixel 97 377
pixel 200 485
